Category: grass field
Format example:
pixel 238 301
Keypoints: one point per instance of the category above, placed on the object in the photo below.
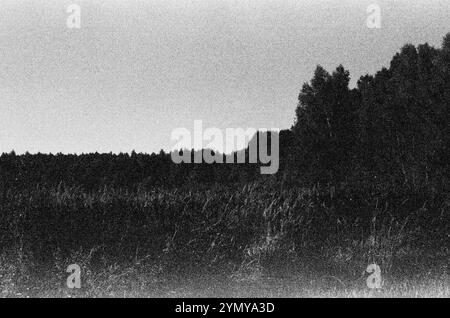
pixel 252 240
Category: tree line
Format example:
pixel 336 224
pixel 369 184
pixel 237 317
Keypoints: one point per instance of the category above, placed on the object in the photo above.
pixel 392 126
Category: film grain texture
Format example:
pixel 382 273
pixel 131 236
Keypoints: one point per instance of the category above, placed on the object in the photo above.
pixel 224 149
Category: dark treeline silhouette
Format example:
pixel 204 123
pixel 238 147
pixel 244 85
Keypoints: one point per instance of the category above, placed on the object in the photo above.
pixel 393 126
pixel 135 170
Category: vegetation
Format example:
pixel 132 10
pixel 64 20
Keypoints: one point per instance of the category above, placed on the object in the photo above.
pixel 363 179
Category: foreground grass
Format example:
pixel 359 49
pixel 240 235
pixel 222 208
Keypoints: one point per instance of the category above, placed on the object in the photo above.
pixel 252 241
pixel 146 281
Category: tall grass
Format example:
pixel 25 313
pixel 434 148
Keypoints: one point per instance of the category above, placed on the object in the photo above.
pixel 244 233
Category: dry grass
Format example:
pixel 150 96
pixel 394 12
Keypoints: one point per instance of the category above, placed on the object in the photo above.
pixel 255 240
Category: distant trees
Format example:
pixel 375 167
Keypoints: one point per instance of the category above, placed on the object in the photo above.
pixel 325 129
pixel 93 171
pixel 394 123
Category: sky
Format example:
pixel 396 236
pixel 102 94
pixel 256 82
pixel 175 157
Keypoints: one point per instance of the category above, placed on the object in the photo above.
pixel 137 70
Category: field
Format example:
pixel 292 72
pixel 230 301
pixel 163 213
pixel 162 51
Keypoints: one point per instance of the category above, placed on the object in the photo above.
pixel 255 239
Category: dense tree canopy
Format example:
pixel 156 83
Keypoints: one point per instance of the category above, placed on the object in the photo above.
pixel 394 123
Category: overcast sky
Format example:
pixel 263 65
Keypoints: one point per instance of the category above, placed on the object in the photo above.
pixel 136 70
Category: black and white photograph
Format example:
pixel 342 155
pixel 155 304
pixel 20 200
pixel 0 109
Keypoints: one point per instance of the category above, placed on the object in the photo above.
pixel 224 154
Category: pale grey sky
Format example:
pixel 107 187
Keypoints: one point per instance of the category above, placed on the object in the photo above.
pixel 136 70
